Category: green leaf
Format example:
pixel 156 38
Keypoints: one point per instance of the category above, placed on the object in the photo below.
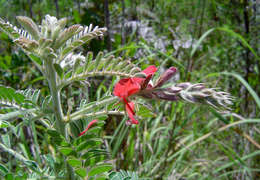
pixel 144 111
pixel 88 144
pixel 229 164
pixel 98 59
pixel 66 35
pixel 66 51
pixel 95 130
pixel 33 165
pixel 9 177
pixel 74 162
pixel 225 29
pixel 59 70
pixel 29 25
pixel 3 169
pixel 75 67
pixel 4 124
pixel 15 114
pixel 238 36
pixel 53 133
pixel 83 138
pixel 100 169
pixel 9 94
pixel 200 41
pixel 93 152
pixel 248 87
pixel 6 140
pixel 218 115
pixel 81 172
pixel 170 57
pixel 35 96
pixel 35 59
pixel 91 161
pixel 91 67
pixel 126 175
pixel 56 138
pixel 101 178
pixel 46 102
pixel 88 59
pixel 102 118
pixel 77 43
pixel 66 150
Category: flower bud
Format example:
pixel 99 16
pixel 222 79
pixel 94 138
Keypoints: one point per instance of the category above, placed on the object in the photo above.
pixel 165 76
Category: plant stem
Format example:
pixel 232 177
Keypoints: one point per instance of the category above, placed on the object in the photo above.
pixel 14 153
pixel 55 93
pixel 88 108
pixel 57 109
pixel 100 113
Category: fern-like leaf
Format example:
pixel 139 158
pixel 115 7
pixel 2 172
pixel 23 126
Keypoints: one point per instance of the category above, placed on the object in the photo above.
pixel 21 102
pixel 81 38
pixel 11 99
pixel 101 66
pixel 67 34
pixel 9 29
pixel 30 26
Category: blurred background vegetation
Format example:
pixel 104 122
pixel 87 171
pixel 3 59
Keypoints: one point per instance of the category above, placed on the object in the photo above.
pixel 214 42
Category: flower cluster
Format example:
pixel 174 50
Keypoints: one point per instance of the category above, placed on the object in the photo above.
pixel 141 86
pixel 194 93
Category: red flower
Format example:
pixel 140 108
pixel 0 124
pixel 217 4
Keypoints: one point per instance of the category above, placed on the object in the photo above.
pixel 89 125
pixel 129 86
pixel 150 70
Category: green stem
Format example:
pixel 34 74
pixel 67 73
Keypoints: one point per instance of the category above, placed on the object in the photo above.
pixel 94 114
pixel 55 93
pixel 14 153
pixel 89 108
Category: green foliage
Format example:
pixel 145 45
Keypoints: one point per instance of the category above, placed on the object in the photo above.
pixel 172 140
pixel 124 175
pixel 83 154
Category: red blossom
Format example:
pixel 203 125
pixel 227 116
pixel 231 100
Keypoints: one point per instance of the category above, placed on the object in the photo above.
pixel 129 86
pixel 130 107
pixel 89 125
pixel 150 70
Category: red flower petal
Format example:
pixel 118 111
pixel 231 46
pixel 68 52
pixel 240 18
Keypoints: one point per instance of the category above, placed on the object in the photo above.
pixel 129 106
pixel 150 70
pixel 89 125
pixel 127 87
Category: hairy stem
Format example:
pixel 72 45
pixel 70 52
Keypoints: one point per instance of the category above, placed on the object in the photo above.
pixel 55 93
pixel 14 153
pixel 77 114
pixel 94 114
